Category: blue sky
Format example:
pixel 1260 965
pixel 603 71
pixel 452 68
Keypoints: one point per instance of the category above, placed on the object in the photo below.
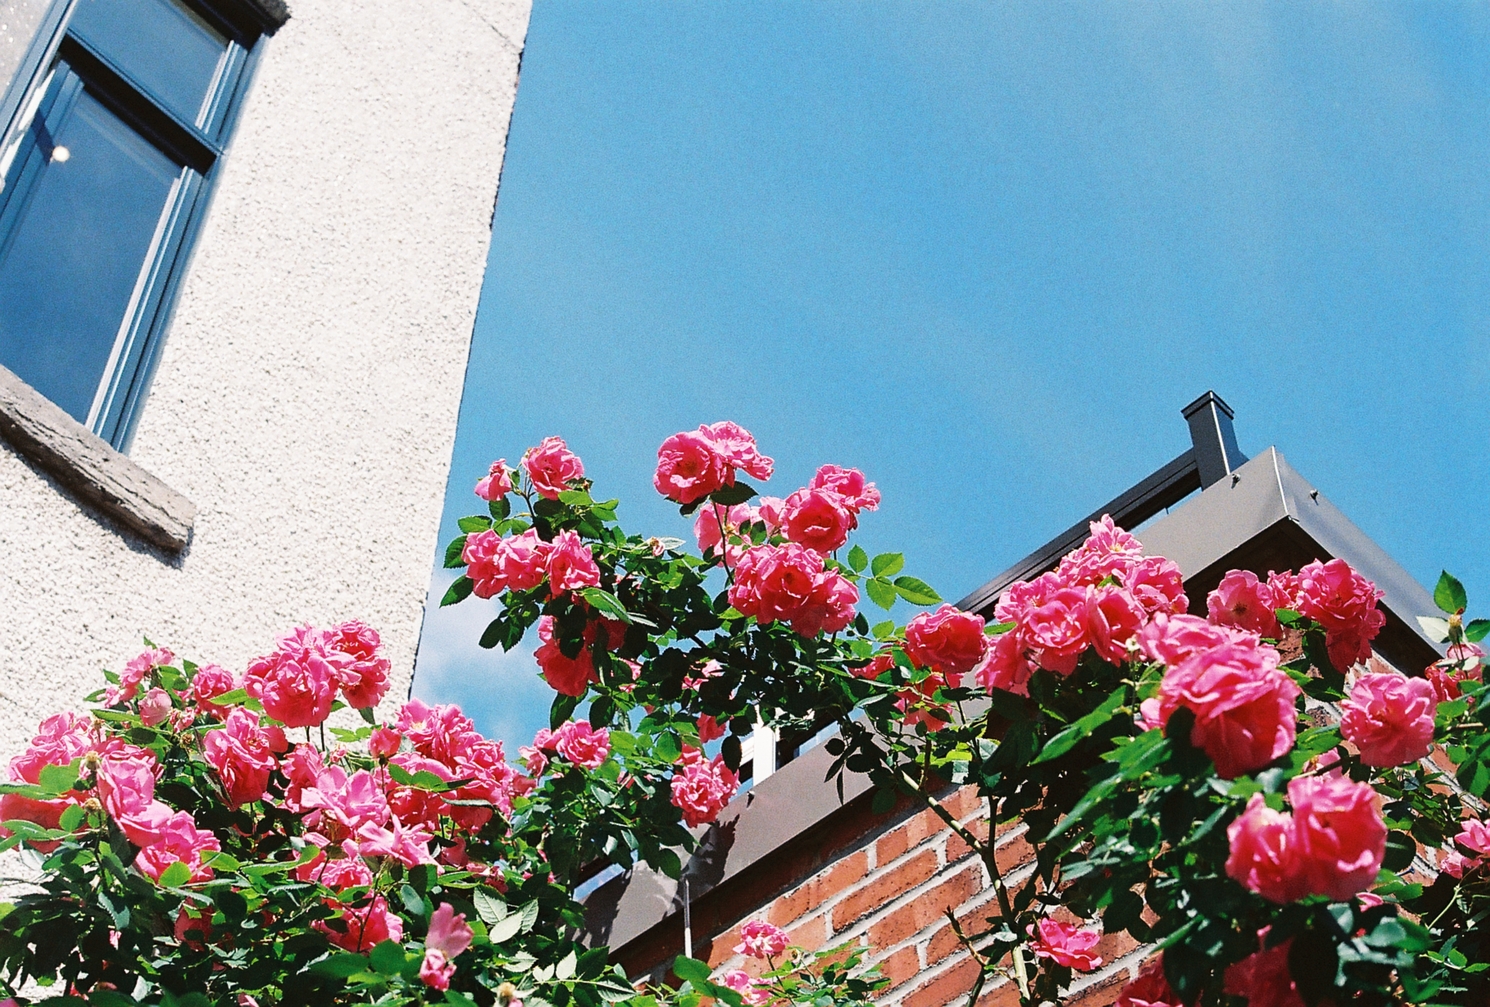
pixel 985 252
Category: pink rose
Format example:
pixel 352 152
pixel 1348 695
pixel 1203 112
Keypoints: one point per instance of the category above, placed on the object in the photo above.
pixel 496 564
pixel 1065 944
pixel 948 640
pixel 384 743
pixel 360 930
pixel 155 708
pixel 1344 603
pixel 1150 989
pixel 690 467
pixel 849 486
pixel 179 840
pixel 436 970
pixel 1285 589
pixel 816 519
pixel 918 703
pixel 1463 663
pixel 1114 617
pixel 1005 666
pixel 243 753
pixel 581 745
pixel 759 939
pixel 1263 855
pixel 59 740
pixel 1241 600
pixel 363 675
pixel 709 729
pixel 570 676
pixel 1108 550
pixel 1339 834
pixel 135 672
pixel 338 875
pixel 737 447
pixel 830 607
pixel 297 683
pixel 571 565
pixel 551 467
pixel 1157 585
pixel 1264 980
pixel 1389 717
pixel 738 980
pixel 770 509
pixel 495 484
pixel 1056 630
pixel 1171 639
pixel 448 932
pixel 1243 705
pixel 126 786
pixel 1474 836
pixel 209 682
pixel 1022 596
pixel 409 845
pixel 716 525
pixel 701 788
pixel 775 582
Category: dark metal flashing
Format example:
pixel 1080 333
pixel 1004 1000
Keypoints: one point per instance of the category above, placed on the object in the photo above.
pixel 1263 516
pixel 1164 488
pixel 90 469
pixel 247 19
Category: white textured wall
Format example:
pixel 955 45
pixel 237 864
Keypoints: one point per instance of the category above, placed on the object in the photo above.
pixel 307 394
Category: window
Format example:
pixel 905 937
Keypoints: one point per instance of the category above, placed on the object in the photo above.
pixel 118 116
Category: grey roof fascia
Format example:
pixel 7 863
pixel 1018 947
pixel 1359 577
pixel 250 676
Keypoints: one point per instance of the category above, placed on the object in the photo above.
pixel 779 808
pixel 1261 495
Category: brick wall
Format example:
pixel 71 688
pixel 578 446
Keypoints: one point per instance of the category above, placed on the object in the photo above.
pixel 884 882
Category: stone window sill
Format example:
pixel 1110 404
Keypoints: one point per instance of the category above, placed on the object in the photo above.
pixel 89 468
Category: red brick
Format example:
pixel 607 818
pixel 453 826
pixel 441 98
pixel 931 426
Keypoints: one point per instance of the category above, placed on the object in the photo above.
pixel 1006 994
pixel 957 847
pixel 895 843
pixel 973 921
pixel 1102 994
pixel 963 802
pixel 1113 946
pixel 807 897
pixel 926 908
pixel 872 895
pixel 902 965
pixel 811 935
pixel 721 947
pixel 1012 854
pixel 952 984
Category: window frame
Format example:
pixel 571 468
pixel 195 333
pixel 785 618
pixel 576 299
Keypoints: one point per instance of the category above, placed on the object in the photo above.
pixel 125 383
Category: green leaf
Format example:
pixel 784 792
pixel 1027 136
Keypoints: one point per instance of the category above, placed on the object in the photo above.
pixel 671 866
pixel 1476 630
pixel 690 970
pixel 454 553
pixel 460 590
pixel 884 630
pixel 881 592
pixel 474 523
pixel 58 779
pixel 887 564
pixel 388 958
pixel 858 559
pixel 1075 733
pixel 917 592
pixel 412 902
pixel 72 817
pixel 606 603
pixel 489 907
pixel 731 495
pixel 339 966
pixel 565 968
pixel 495 633
pixel 500 508
pixel 1449 594
pixel 883 801
pixel 575 498
pixel 1435 628
pixel 175 876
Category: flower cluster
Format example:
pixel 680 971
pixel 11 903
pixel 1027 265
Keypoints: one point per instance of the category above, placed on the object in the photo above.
pixel 695 463
pixel 1331 844
pixel 299 680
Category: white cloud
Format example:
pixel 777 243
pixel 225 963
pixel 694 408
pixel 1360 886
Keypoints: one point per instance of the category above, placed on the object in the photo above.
pixel 500 690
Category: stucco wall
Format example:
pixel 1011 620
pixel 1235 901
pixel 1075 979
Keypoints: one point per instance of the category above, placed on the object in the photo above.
pixel 306 398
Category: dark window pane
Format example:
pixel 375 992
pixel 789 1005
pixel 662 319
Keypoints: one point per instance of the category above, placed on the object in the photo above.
pixel 161 44
pixel 77 247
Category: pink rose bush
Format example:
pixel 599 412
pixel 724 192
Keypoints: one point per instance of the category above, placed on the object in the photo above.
pixel 279 833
